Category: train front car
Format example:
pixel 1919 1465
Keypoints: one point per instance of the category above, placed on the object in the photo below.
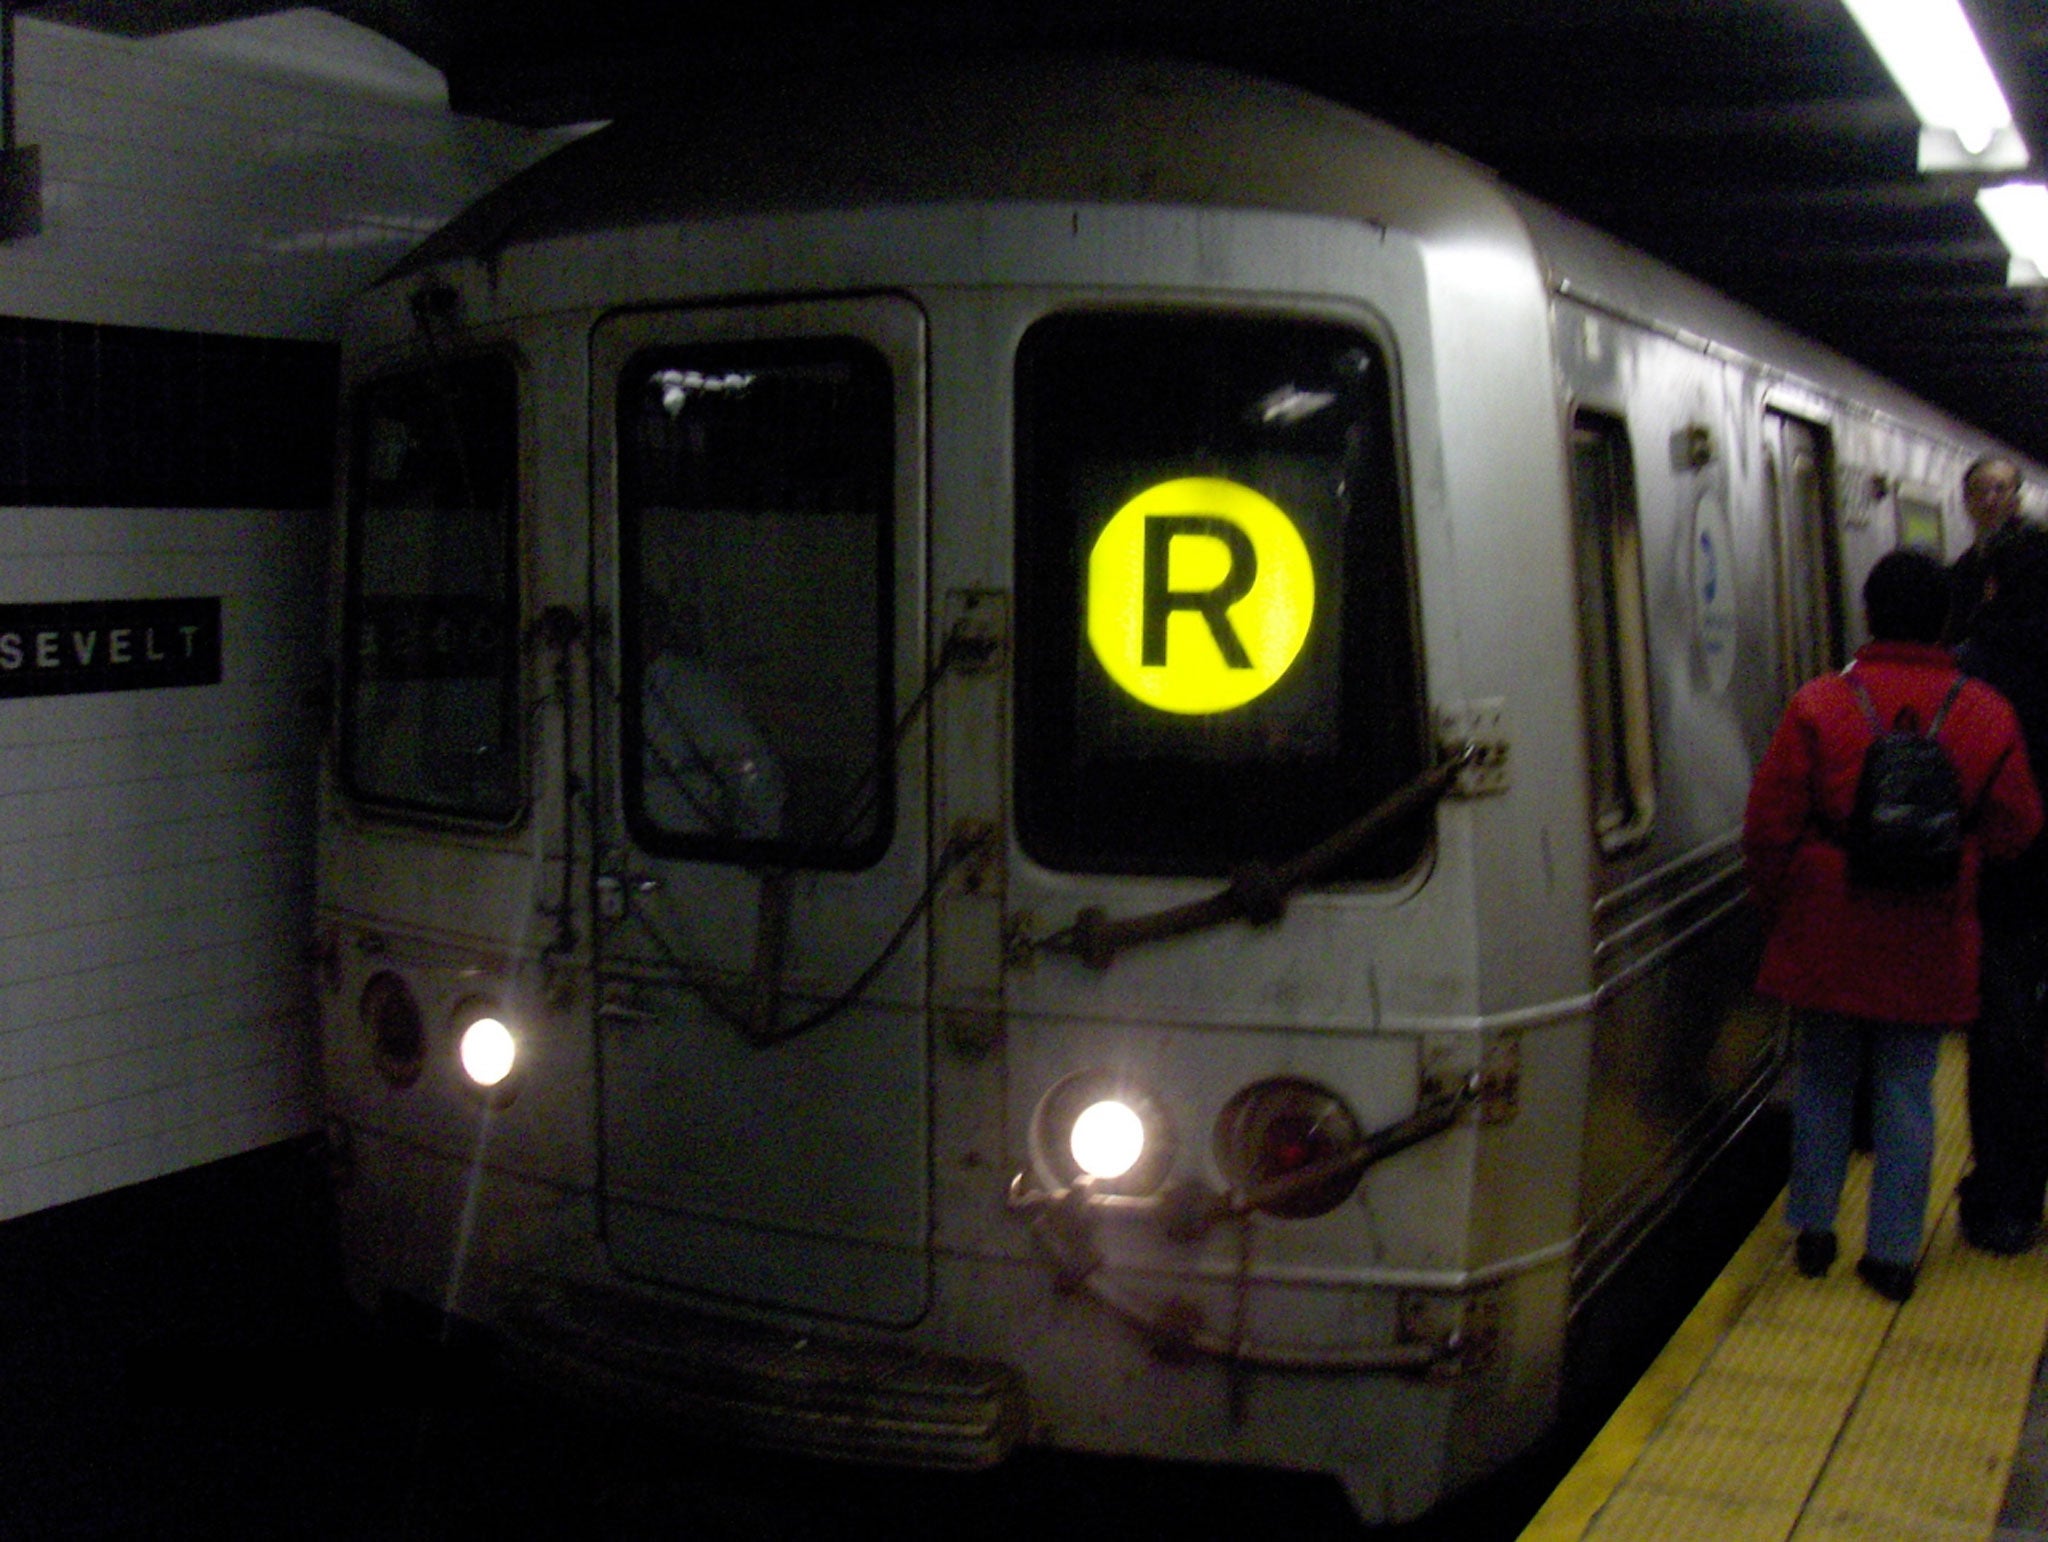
pixel 836 584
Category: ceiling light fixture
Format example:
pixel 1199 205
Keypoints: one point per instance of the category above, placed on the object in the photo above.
pixel 1935 58
pixel 2018 211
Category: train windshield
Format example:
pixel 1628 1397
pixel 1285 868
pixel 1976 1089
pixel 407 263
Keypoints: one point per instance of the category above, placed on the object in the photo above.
pixel 430 719
pixel 1217 657
pixel 755 504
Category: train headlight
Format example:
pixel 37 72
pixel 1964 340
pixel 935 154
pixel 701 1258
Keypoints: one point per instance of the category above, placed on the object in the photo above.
pixel 391 1020
pixel 1102 1129
pixel 488 1049
pixel 488 1052
pixel 1276 1130
pixel 1108 1139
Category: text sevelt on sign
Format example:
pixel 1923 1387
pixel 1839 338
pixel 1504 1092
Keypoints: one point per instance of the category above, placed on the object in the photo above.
pixel 79 646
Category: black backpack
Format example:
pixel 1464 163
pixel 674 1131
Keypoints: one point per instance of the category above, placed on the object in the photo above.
pixel 1906 829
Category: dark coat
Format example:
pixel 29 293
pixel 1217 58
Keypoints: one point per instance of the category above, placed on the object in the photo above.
pixel 1908 958
pixel 2008 650
pixel 1965 594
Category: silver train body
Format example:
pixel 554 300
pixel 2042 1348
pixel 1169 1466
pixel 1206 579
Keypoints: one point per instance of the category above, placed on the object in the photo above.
pixel 821 571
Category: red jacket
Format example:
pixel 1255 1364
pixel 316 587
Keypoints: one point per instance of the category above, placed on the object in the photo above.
pixel 1908 958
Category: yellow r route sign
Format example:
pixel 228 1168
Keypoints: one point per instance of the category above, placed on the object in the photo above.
pixel 1200 595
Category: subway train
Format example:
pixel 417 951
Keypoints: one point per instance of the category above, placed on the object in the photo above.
pixel 1051 750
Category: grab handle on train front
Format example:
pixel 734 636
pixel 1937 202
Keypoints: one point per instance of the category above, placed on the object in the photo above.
pixel 1259 892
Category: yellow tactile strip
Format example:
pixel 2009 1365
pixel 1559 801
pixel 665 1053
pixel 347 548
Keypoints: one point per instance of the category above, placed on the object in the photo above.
pixel 1795 1410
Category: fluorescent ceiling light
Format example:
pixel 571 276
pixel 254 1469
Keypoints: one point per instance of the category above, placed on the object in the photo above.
pixel 2018 211
pixel 1933 55
pixel 1942 149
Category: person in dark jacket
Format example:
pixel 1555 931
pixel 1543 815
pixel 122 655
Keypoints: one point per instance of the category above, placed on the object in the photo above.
pixel 1866 966
pixel 2007 648
pixel 1991 500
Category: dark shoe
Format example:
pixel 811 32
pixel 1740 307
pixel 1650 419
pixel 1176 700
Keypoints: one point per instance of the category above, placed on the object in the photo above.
pixel 1969 1192
pixel 1814 1252
pixel 2004 1235
pixel 1892 1281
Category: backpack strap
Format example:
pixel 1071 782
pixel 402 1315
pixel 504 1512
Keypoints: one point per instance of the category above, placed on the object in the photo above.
pixel 1933 729
pixel 1970 810
pixel 1863 700
pixel 1941 713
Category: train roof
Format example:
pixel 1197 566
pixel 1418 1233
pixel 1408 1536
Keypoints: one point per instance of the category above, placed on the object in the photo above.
pixel 1607 273
pixel 1096 130
pixel 1093 130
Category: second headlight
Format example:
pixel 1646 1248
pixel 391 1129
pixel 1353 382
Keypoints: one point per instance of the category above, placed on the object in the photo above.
pixel 487 1047
pixel 1104 1130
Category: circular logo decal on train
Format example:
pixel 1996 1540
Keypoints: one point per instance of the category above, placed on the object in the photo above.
pixel 1713 591
pixel 1200 594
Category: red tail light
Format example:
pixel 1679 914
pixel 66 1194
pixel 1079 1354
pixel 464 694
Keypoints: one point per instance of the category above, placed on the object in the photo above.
pixel 1274 1130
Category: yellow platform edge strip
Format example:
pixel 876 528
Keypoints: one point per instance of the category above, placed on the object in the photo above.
pixel 1604 1470
pixel 1568 1513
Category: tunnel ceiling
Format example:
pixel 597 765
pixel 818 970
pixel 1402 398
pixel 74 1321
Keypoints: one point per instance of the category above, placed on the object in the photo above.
pixel 1757 144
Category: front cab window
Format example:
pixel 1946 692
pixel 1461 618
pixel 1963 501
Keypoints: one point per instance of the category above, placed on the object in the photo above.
pixel 756 503
pixel 430 670
pixel 1218 659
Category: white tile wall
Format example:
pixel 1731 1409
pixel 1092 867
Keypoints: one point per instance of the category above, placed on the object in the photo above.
pixel 156 846
pixel 244 178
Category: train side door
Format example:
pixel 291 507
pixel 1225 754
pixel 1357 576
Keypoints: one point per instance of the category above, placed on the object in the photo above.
pixel 1811 634
pixel 761 862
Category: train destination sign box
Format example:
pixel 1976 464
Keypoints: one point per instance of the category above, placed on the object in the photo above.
pixel 77 647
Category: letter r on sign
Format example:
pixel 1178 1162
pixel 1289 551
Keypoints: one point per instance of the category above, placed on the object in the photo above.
pixel 1212 604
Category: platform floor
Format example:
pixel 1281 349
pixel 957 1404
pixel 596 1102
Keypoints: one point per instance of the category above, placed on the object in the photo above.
pixel 1814 1410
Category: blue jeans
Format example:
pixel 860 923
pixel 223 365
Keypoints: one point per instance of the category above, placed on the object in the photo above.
pixel 1829 1049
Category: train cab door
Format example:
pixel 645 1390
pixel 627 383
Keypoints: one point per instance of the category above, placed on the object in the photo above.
pixel 1811 633
pixel 761 853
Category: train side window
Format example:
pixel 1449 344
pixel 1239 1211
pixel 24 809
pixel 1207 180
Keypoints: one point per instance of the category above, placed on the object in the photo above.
pixel 1615 638
pixel 430 670
pixel 1919 520
pixel 1217 657
pixel 756 501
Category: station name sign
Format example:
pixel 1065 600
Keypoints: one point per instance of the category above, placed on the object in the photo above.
pixel 78 647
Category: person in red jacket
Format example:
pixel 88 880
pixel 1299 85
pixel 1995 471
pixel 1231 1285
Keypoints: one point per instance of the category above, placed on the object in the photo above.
pixel 1877 967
